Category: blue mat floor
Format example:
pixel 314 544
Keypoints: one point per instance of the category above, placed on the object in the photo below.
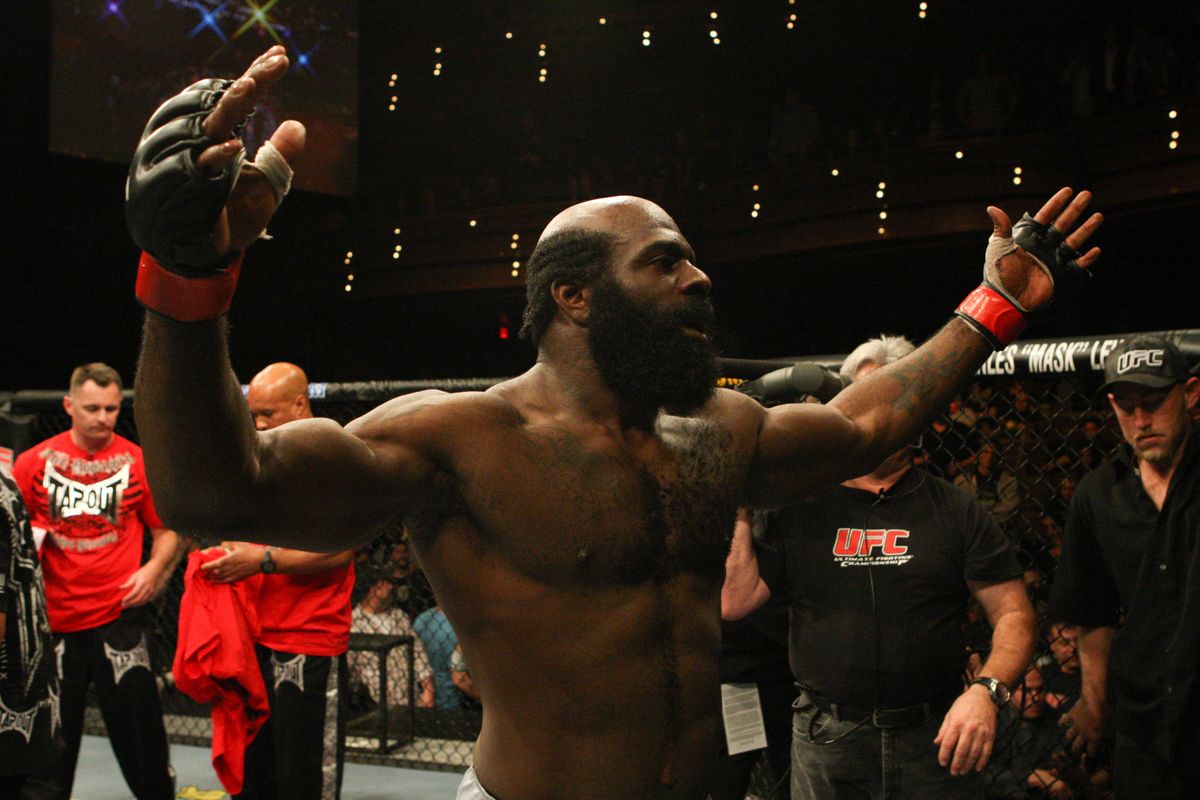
pixel 98 778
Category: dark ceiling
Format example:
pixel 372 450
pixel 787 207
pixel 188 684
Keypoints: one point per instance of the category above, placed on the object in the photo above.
pixel 458 144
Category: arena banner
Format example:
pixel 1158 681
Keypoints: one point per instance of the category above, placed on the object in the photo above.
pixel 1074 354
pixel 1062 356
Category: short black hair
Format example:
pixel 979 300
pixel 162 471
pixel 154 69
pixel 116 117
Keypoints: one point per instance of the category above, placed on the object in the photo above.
pixel 577 255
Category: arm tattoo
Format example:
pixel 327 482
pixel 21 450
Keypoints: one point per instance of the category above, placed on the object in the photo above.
pixel 923 376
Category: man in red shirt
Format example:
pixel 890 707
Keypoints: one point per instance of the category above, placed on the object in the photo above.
pixel 86 489
pixel 304 617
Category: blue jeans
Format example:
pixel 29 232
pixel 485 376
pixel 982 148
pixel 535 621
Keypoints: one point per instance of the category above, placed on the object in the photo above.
pixel 868 762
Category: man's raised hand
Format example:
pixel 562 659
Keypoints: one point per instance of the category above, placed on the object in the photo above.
pixel 254 199
pixel 1023 271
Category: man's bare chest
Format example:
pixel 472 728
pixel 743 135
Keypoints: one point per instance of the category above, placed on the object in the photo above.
pixel 561 509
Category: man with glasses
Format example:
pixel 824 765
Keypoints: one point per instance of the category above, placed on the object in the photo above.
pixel 1131 544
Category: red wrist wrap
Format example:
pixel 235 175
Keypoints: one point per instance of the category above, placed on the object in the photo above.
pixel 994 314
pixel 185 299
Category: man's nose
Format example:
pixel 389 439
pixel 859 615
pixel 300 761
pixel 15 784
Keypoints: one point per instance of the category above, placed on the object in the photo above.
pixel 694 281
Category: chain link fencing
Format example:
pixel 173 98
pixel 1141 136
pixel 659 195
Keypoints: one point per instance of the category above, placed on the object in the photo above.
pixel 1019 439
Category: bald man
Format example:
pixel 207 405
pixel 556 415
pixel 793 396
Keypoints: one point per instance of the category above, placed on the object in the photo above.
pixel 573 521
pixel 304 619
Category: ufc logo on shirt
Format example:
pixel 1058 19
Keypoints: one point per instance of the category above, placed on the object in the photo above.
pixel 859 542
pixel 1138 358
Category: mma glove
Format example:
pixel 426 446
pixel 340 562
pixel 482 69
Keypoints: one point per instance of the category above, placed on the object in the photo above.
pixel 991 309
pixel 172 209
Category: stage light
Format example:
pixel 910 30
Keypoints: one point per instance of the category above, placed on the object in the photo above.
pixel 1172 114
pixel 603 21
pixel 1173 144
pixel 645 38
pixel 754 214
pixel 396 231
pixel 471 223
pixel 1016 180
pixel 516 236
pixel 349 254
pixel 1174 134
pixel 834 172
pixel 350 277
pixel 757 206
pixel 958 154
pixel 259 16
pixel 879 194
pixel 883 215
pixel 754 188
pixel 508 34
pixel 1017 170
pixel 716 41
pixel 208 19
pixel 437 50
pixel 882 230
pixel 882 185
pixel 712 14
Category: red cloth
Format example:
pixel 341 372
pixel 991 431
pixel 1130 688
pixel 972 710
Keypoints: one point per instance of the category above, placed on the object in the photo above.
pixel 93 507
pixel 215 662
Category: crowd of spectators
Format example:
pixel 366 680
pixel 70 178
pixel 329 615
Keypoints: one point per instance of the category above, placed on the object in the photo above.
pixel 997 94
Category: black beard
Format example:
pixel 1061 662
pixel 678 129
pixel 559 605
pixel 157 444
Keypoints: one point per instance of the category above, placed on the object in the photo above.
pixel 645 355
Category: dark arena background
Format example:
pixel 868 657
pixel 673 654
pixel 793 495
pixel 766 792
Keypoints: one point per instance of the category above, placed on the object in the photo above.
pixel 829 162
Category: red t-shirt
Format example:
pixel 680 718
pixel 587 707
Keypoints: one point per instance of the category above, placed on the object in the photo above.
pixel 307 614
pixel 92 507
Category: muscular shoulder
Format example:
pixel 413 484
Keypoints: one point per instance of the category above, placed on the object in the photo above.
pixel 434 420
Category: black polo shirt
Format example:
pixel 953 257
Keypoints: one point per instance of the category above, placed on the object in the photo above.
pixel 1121 555
pixel 918 544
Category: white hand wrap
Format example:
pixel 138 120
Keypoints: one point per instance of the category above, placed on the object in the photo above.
pixel 274 167
pixel 998 247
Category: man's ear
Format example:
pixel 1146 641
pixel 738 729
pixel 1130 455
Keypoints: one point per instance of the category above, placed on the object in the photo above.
pixel 1191 391
pixel 67 404
pixel 572 299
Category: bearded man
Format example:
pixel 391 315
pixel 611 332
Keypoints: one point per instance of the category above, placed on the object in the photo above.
pixel 573 521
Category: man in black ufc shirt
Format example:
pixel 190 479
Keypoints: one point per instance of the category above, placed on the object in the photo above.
pixel 877 572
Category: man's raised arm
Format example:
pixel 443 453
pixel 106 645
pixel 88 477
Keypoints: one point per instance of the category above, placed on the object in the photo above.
pixel 194 204
pixel 800 445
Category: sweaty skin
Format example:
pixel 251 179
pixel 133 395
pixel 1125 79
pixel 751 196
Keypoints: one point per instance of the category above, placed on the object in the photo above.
pixel 575 538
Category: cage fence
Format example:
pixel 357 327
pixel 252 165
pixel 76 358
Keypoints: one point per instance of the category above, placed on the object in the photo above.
pixel 1019 439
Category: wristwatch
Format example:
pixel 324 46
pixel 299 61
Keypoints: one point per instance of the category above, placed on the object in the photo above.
pixel 996 690
pixel 268 564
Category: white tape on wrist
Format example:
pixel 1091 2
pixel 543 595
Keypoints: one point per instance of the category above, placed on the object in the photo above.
pixel 998 247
